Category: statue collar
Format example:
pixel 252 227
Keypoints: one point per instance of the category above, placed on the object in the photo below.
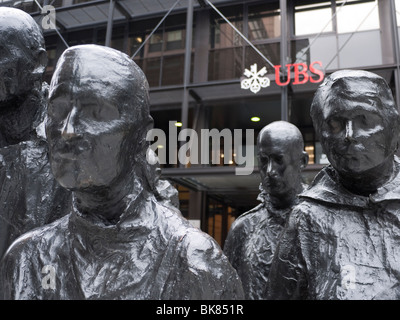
pixel 137 219
pixel 264 198
pixel 327 188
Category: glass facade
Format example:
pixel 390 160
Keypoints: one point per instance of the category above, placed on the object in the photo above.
pixel 340 34
pixel 162 56
pixel 229 53
pixel 305 21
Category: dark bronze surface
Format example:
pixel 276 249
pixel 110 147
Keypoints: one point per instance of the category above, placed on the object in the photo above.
pixel 342 240
pixel 120 240
pixel 253 237
pixel 29 195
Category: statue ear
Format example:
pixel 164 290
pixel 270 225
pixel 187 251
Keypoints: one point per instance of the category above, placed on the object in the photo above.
pixel 304 160
pixel 41 62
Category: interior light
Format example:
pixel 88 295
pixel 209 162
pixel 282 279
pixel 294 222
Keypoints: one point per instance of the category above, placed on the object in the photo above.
pixel 255 119
pixel 160 146
pixel 222 155
pixel 178 124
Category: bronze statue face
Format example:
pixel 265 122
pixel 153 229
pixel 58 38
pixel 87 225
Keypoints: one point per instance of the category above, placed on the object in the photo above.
pixel 22 55
pixel 90 125
pixel 357 131
pixel 10 77
pixel 85 132
pixel 281 157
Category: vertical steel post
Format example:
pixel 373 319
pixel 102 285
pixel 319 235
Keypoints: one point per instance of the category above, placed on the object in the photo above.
pixel 110 23
pixel 188 56
pixel 284 58
pixel 396 43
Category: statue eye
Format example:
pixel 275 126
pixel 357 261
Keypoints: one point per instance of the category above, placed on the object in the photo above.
pixel 101 111
pixel 335 125
pixel 279 160
pixel 362 121
pixel 9 73
pixel 58 109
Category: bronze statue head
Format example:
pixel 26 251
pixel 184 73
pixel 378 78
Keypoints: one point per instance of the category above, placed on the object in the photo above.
pixel 23 57
pixel 23 61
pixel 282 157
pixel 98 117
pixel 357 121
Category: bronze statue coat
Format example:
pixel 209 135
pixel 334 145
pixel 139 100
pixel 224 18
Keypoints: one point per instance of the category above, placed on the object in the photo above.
pixel 251 243
pixel 151 253
pixel 339 245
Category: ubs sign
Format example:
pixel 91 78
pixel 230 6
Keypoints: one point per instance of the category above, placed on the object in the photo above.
pixel 301 74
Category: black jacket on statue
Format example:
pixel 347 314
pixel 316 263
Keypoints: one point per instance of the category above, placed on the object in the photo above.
pixel 151 253
pixel 339 245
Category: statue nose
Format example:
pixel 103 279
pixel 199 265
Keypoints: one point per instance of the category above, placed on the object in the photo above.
pixel 68 131
pixel 349 131
pixel 270 168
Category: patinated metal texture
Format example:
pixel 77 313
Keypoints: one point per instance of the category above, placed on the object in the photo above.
pixel 29 195
pixel 254 235
pixel 120 240
pixel 342 240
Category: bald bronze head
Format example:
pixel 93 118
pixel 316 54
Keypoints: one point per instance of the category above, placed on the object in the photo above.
pixel 282 157
pixel 23 57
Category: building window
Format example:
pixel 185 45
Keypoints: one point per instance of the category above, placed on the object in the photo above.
pixel 270 50
pixel 183 199
pixel 155 42
pixel 222 34
pixel 175 40
pixel 162 56
pixel 263 22
pixel 215 213
pixel 312 18
pixel 151 68
pixel 357 16
pixel 134 44
pixel 338 34
pixel 51 63
pixel 397 5
pixel 229 54
pixel 225 64
pixel 172 69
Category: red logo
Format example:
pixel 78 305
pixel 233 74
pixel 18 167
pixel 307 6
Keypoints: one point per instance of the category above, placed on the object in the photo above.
pixel 300 73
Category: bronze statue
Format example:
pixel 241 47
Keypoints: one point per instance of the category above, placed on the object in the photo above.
pixel 343 239
pixel 253 237
pixel 29 197
pixel 118 241
pixel 165 192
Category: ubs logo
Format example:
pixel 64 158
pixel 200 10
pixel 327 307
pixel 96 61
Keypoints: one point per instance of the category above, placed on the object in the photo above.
pixel 301 73
pixel 256 79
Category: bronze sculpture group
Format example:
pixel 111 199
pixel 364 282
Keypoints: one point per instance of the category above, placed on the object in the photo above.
pixel 341 241
pixel 30 197
pixel 83 215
